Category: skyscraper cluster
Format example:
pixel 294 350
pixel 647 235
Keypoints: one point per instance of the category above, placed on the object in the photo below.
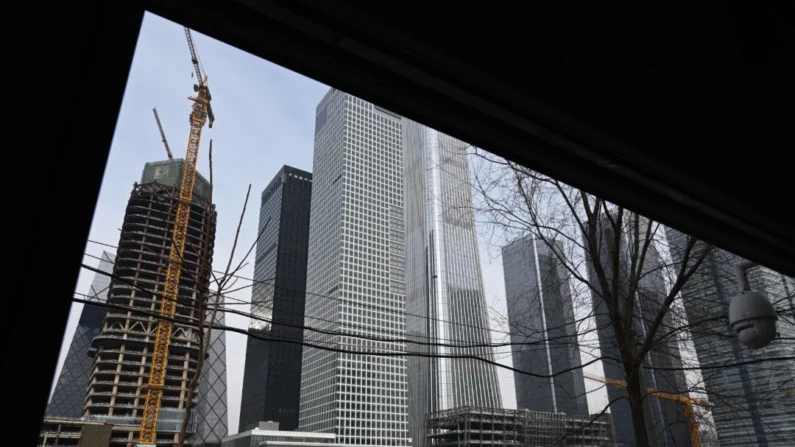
pixel 369 313
pixel 392 268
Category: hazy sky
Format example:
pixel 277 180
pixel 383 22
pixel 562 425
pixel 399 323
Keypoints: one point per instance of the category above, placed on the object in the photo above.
pixel 264 119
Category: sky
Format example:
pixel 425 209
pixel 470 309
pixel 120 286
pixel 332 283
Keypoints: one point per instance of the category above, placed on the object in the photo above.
pixel 265 117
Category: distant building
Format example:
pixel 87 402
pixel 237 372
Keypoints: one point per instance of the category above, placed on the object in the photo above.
pixel 666 421
pixel 709 439
pixel 69 394
pixel 272 375
pixel 751 404
pixel 268 434
pixel 212 418
pixel 543 330
pixel 445 299
pixel 496 427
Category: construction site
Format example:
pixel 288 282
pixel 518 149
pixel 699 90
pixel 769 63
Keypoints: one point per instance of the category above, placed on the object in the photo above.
pixel 123 349
pixel 150 351
pixel 495 427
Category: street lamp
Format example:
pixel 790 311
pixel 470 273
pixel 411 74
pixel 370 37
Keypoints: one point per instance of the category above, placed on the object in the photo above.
pixel 751 314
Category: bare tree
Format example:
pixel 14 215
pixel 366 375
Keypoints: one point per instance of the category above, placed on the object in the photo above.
pixel 614 263
pixel 208 306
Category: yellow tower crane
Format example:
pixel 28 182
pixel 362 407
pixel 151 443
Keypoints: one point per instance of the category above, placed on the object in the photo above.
pixel 202 113
pixel 684 399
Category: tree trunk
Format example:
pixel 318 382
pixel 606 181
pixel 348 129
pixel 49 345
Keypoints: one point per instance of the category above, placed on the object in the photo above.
pixel 638 412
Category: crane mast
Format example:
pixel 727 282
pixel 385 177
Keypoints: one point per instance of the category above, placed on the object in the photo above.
pixel 687 401
pixel 200 114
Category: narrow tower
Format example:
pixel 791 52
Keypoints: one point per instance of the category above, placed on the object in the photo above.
pixel 272 376
pixel 356 277
pixel 445 301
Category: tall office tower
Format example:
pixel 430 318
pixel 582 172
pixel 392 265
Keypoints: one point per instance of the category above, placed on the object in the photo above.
pixel 212 419
pixel 69 394
pixel 122 349
pixel 751 406
pixel 445 301
pixel 272 377
pixel 666 421
pixel 542 326
pixel 356 277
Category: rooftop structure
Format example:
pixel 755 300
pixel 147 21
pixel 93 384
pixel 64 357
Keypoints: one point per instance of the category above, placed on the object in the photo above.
pixel 496 427
pixel 268 434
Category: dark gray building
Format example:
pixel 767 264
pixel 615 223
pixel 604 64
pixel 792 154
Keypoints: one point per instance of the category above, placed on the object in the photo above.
pixel 666 422
pixel 272 376
pixel 751 404
pixel 541 318
pixel 69 394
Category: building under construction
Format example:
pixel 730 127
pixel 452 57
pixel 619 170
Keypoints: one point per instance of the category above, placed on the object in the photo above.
pixel 122 350
pixel 496 427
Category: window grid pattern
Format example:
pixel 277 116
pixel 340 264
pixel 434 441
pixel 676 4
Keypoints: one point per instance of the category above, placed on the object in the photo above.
pixel 355 276
pixel 750 407
pixel 70 389
pixel 212 423
pixel 445 300
pixel 271 381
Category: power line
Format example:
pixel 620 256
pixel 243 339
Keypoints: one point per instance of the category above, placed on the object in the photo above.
pixel 435 341
pixel 345 300
pixel 322 331
pixel 333 349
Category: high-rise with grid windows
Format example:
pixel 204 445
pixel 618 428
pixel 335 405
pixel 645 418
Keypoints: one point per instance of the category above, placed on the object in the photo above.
pixel 446 303
pixel 356 277
pixel 272 376
pixel 752 400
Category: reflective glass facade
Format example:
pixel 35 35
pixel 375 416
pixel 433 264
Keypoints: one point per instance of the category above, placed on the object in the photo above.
pixel 750 402
pixel 272 377
pixel 666 421
pixel 70 389
pixel 356 277
pixel 445 301
pixel 543 330
pixel 212 420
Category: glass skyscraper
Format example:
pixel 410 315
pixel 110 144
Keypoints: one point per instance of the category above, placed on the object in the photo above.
pixel 543 329
pixel 212 420
pixel 356 277
pixel 666 421
pixel 445 300
pixel 751 404
pixel 69 394
pixel 272 377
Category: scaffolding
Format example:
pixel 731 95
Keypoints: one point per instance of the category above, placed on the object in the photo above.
pixel 123 348
pixel 495 427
